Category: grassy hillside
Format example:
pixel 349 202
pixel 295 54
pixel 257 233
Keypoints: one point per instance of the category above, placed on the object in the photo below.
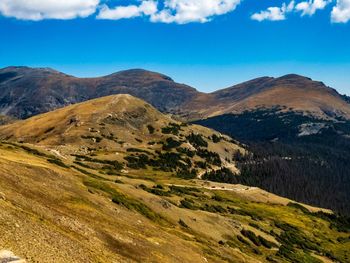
pixel 147 215
pixel 129 131
pixel 114 180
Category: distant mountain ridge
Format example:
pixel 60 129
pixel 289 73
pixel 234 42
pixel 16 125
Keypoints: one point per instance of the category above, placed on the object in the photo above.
pixel 26 92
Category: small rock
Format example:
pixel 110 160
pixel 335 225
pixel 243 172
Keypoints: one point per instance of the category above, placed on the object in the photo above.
pixel 8 257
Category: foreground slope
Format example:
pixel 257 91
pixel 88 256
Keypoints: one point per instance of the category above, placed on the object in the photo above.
pixel 55 212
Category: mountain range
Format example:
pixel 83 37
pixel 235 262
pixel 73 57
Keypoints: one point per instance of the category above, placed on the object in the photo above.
pixel 26 92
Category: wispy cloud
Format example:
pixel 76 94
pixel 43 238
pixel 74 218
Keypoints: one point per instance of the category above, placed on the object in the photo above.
pixel 274 13
pixel 310 7
pixel 147 8
pixel 279 13
pixel 341 12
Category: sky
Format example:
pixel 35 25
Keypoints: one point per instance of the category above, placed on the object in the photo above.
pixel 208 44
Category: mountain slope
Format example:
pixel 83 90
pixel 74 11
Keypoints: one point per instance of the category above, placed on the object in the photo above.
pixel 127 126
pixel 114 180
pixel 30 91
pixel 290 93
pixel 297 156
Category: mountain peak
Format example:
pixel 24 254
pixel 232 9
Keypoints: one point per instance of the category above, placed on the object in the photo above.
pixel 293 77
pixel 137 72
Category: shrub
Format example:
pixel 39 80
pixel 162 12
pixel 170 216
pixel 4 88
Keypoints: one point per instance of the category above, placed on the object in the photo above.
pixel 210 157
pixel 170 143
pixel 115 164
pixel 197 140
pixel 58 162
pixel 224 175
pixel 266 243
pixel 118 181
pixel 213 208
pixel 187 203
pixel 137 162
pixel 151 129
pixel 293 237
pixel 215 138
pixel 182 223
pixel 242 240
pixel 186 151
pixel 183 190
pixel 172 128
pixel 136 150
pixel 187 174
pixel 200 164
pixel 251 236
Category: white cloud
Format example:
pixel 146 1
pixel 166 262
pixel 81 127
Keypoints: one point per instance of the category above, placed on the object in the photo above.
pixel 163 11
pixel 47 9
pixel 186 11
pixel 310 7
pixel 274 13
pixel 173 11
pixel 341 12
pixel 130 11
pixel 279 13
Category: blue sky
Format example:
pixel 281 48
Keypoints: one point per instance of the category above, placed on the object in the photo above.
pixel 206 49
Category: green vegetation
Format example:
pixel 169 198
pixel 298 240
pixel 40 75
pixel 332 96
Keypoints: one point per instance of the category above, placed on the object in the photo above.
pixel 172 128
pixel 94 138
pixel 151 129
pixel 187 174
pixel 221 175
pixel 136 150
pixel 156 190
pixel 186 151
pixel 113 163
pixel 137 161
pixel 58 162
pixel 182 223
pixel 188 204
pixel 251 236
pixel 210 157
pixel 307 169
pixel 215 138
pixel 179 190
pixel 123 200
pixel 170 143
pixel 197 140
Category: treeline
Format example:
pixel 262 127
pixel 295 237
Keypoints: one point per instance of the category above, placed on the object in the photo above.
pixel 312 169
